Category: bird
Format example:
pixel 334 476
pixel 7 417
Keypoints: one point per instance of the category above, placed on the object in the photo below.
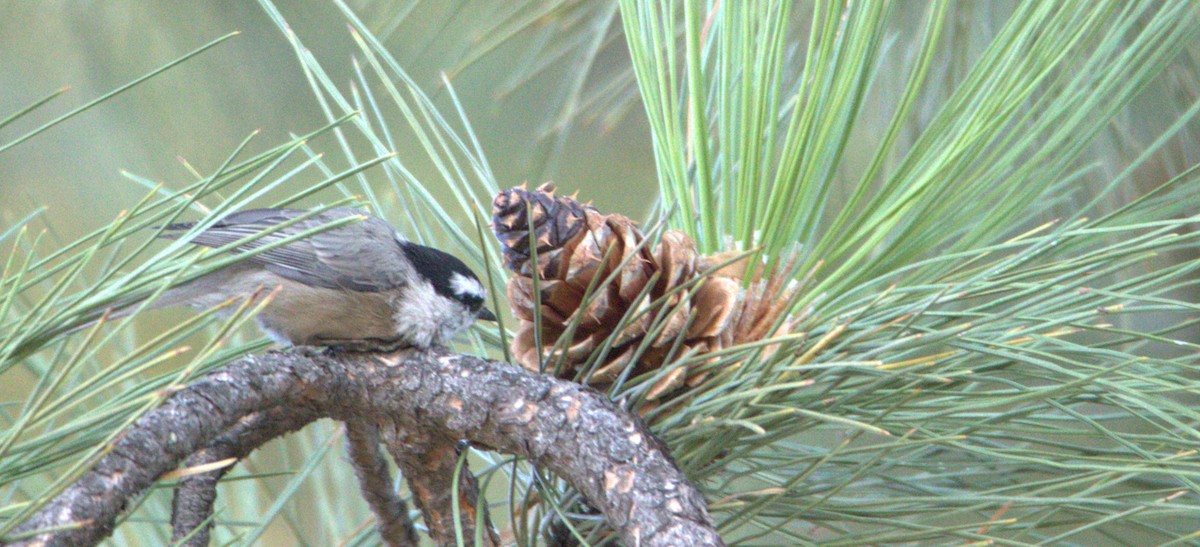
pixel 358 287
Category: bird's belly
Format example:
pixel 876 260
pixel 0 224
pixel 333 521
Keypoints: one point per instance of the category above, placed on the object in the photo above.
pixel 304 315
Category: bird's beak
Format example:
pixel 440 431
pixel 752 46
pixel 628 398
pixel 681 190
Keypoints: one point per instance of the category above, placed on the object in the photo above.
pixel 486 315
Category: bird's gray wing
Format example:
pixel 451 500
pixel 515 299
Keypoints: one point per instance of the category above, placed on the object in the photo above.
pixel 362 256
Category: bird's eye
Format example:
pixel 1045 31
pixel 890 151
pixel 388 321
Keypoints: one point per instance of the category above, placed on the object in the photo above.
pixel 468 290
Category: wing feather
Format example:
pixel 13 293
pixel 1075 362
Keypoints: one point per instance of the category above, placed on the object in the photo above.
pixel 363 256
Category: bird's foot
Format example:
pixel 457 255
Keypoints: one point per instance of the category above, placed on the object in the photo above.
pixel 365 345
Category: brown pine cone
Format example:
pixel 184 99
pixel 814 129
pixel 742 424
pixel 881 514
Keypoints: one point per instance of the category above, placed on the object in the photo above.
pixel 669 294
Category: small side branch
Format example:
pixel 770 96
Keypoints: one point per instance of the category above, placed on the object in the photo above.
pixel 375 481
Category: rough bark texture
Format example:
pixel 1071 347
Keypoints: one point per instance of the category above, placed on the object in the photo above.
pixel 428 463
pixel 375 481
pixel 192 505
pixel 601 450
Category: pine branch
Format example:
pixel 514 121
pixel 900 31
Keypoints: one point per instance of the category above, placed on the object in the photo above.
pixel 563 427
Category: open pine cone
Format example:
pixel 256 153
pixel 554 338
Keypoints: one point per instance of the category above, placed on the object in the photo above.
pixel 648 307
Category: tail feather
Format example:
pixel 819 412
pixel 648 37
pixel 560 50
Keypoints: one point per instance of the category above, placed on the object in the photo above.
pixel 123 308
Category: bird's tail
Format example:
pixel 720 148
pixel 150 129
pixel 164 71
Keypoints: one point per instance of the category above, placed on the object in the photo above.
pixel 215 290
pixel 126 307
pixel 32 342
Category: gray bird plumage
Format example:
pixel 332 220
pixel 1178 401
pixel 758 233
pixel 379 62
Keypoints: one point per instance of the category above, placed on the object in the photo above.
pixel 363 256
pixel 359 286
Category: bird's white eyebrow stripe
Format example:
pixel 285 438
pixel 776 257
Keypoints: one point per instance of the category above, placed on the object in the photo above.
pixel 466 286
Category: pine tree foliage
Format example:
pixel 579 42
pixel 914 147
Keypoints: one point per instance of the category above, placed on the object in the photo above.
pixel 993 336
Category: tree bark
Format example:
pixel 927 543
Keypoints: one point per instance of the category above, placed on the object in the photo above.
pixel 601 450
pixel 428 463
pixel 192 505
pixel 375 481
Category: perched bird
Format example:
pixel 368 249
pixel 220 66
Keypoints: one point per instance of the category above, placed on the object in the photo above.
pixel 359 287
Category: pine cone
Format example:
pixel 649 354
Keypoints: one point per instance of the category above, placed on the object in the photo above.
pixel 637 293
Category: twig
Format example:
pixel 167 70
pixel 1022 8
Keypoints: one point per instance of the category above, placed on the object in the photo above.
pixel 375 481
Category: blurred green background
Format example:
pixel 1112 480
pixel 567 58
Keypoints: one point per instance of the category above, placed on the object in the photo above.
pixel 202 109
pixel 509 64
